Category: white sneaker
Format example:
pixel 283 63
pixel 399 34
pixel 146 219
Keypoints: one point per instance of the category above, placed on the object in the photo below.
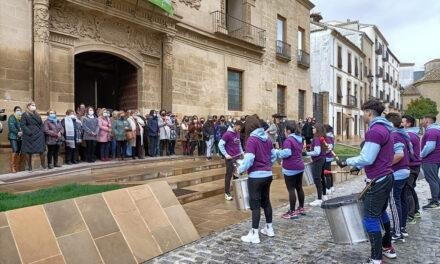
pixel 316 203
pixel 251 237
pixel 228 197
pixel 328 191
pixel 332 189
pixel 325 197
pixel 268 231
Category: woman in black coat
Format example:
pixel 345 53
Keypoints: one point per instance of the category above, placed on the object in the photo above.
pixel 33 141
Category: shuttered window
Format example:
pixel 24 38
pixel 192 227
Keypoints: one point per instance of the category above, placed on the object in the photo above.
pixel 235 92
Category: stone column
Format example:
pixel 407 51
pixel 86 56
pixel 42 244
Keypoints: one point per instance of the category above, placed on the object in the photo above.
pixel 41 54
pixel 167 72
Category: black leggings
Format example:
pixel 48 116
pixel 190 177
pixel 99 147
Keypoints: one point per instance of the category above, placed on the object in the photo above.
pixel 121 148
pixel 318 176
pixel 90 150
pixel 294 183
pixel 328 177
pixel 259 190
pixel 229 174
pixel 52 154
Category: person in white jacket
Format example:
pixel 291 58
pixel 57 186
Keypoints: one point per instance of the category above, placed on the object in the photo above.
pixel 137 126
pixel 164 133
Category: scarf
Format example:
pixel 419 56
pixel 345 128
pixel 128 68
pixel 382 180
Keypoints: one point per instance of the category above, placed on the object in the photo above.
pixel 52 119
pixel 70 132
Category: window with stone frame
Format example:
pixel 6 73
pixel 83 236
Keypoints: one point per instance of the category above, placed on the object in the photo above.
pixel 281 99
pixel 340 57
pixel 339 90
pixel 301 103
pixel 356 69
pixel 349 63
pixel 235 90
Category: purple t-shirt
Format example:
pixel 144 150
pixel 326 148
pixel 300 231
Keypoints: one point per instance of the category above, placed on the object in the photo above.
pixel 329 140
pixel 232 143
pixel 415 140
pixel 316 142
pixel 294 162
pixel 434 156
pixel 382 166
pixel 403 163
pixel 262 151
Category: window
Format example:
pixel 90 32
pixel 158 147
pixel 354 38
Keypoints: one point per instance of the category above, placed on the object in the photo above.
pixel 349 63
pixel 281 99
pixel 234 90
pixel 355 94
pixel 281 28
pixel 361 69
pixel 339 90
pixel 301 101
pixel 356 70
pixel 355 124
pixel 301 34
pixel 339 57
pixel 348 92
pixel 338 123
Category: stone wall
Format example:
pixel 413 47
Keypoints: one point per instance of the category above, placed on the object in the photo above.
pixel 129 225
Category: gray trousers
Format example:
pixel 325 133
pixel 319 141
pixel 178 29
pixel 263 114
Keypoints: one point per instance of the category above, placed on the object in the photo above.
pixel 431 175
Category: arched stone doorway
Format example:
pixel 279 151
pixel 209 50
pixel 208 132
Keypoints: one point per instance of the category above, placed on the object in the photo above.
pixel 105 80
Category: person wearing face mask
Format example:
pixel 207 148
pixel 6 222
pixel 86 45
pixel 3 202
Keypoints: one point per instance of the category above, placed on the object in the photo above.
pixel 119 128
pixel 137 126
pixel 220 129
pixel 173 134
pixel 201 143
pixel 54 138
pixel 33 135
pixel 72 136
pixel 153 133
pixel 193 129
pixel 184 135
pixel 91 129
pixel 104 134
pixel 14 136
pixel 164 133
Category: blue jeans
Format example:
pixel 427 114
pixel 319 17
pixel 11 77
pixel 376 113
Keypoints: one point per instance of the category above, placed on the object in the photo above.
pixel 15 145
pixel 113 142
pixel 105 150
pixel 129 150
pixel 401 206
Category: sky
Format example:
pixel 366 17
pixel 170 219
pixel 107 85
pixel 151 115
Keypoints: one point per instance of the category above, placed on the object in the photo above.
pixel 411 27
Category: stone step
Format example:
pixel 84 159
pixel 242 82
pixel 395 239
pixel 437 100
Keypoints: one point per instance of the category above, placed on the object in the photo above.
pixel 200 191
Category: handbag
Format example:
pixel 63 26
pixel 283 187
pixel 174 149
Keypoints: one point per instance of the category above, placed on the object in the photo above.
pixel 129 135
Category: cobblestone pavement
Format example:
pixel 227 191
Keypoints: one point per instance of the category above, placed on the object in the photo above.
pixel 307 240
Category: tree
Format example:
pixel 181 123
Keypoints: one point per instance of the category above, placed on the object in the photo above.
pixel 421 107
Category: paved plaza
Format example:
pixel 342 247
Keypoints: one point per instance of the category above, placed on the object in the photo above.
pixel 307 240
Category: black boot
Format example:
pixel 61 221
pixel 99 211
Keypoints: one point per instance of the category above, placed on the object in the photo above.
pixel 49 161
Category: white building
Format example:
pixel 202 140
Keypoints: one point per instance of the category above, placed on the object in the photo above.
pixel 337 68
pixel 406 74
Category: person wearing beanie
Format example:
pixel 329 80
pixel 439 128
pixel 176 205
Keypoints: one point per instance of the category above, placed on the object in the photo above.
pixel 258 160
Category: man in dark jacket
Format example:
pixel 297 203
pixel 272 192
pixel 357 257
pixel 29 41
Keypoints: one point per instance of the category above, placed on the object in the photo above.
pixel 153 133
pixel 307 131
pixel 208 136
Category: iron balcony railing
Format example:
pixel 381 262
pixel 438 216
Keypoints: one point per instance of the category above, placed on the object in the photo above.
pixel 238 29
pixel 379 49
pixel 283 50
pixel 385 56
pixel 352 101
pixel 379 72
pixel 303 58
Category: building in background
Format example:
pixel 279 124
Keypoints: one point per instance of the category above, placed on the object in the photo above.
pixel 210 57
pixel 406 73
pixel 427 86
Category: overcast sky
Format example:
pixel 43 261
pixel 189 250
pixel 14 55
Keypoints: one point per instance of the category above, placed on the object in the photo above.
pixel 411 27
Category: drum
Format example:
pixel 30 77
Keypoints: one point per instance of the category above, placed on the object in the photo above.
pixel 241 193
pixel 344 216
pixel 307 175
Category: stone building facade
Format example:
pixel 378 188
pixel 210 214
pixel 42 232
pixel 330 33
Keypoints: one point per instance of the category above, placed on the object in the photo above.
pixel 428 86
pixel 210 57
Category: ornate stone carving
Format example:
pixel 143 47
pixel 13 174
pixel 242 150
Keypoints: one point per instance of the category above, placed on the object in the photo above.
pixel 191 3
pixel 41 21
pixel 168 55
pixel 89 25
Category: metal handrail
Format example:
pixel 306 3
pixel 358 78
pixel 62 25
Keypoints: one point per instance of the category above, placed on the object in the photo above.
pixel 283 49
pixel 303 58
pixel 239 29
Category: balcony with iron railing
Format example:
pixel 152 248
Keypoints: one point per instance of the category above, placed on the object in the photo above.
pixel 283 50
pixel 303 59
pixel 379 49
pixel 385 56
pixel 235 28
pixel 351 101
pixel 379 72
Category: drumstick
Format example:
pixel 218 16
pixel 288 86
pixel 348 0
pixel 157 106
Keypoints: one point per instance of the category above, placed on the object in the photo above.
pixel 322 139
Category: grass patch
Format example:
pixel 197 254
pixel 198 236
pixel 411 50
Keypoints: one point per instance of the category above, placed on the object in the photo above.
pixel 10 201
pixel 346 151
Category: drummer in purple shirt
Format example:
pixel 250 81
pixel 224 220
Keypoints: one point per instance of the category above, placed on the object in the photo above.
pixel 431 159
pixel 258 160
pixel 230 147
pixel 376 158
